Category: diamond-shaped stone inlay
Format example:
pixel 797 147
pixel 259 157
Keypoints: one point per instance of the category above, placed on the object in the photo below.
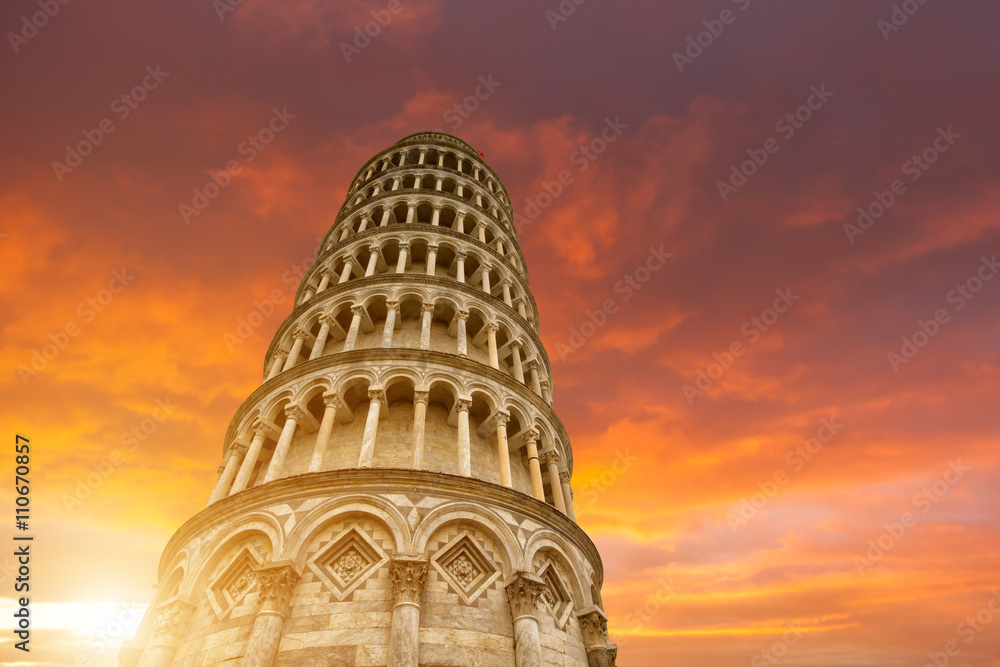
pixel 466 567
pixel 348 561
pixel 235 582
pixel 555 595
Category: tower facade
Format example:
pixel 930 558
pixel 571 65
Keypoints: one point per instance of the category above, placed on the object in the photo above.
pixel 397 492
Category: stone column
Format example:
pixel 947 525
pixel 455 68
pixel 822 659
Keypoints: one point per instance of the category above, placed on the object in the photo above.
pixel 503 451
pixel 491 338
pixel 422 157
pixel 364 223
pixel 464 444
pixel 332 403
pixel 293 414
pixel 436 216
pixel 172 620
pixel 391 311
pixel 325 322
pixel 308 294
pixel 277 584
pixel 536 385
pixel 236 454
pixel 515 355
pixel 432 251
pixel 531 444
pixel 376 398
pixel 250 460
pixel 482 233
pixel 324 282
pixel 505 286
pixel 594 626
pixel 523 592
pixel 485 273
pixel 344 234
pixel 567 493
pixel 411 211
pixel 277 364
pixel 460 267
pixel 352 333
pixel 345 274
pixel 372 261
pixel 401 262
pixel 521 310
pixel 420 399
pixel 463 339
pixel 500 247
pixel 460 223
pixel 426 314
pixel 293 356
pixel 546 396
pixel 551 461
pixel 439 184
pixel 386 212
pixel 408 574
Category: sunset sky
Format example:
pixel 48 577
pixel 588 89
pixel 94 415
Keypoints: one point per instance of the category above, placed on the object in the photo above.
pixel 721 526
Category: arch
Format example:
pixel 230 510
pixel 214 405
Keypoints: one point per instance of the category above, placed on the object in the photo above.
pixel 460 512
pixel 244 527
pixel 553 544
pixel 322 515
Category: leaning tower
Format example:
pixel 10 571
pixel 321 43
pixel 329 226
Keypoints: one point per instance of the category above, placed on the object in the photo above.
pixel 397 490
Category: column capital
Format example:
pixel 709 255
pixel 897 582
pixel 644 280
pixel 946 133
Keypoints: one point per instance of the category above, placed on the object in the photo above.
pixel 375 249
pixel 594 624
pixel 506 282
pixel 376 395
pixel 550 457
pixel 427 308
pixel 404 245
pixel 392 305
pixel 492 328
pixel 463 404
pixel 463 315
pixel 358 309
pixel 260 429
pixel 295 412
pixel 237 449
pixel 421 396
pixel 462 255
pixel 532 364
pixel 326 319
pixel 523 591
pixel 282 353
pixel 531 436
pixel 564 477
pixel 332 400
pixel 501 418
pixel 277 583
pixel 408 575
pixel 432 247
pixel 517 344
pixel 299 334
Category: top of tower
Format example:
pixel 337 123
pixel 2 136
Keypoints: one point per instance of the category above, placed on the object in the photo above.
pixel 435 135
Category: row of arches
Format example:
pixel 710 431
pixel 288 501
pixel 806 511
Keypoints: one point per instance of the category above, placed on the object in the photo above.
pixel 404 417
pixel 444 215
pixel 422 318
pixel 422 179
pixel 217 578
pixel 417 254
pixel 189 570
pixel 435 156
